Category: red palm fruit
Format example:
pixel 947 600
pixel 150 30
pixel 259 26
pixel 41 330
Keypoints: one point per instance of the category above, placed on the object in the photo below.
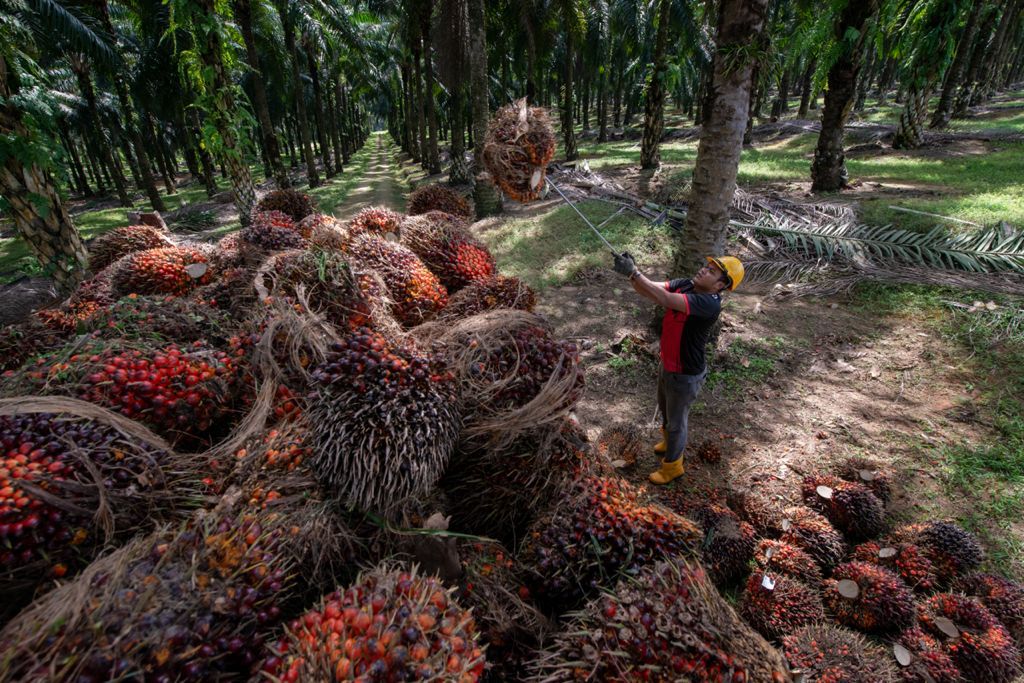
pixel 851 507
pixel 728 543
pixel 927 659
pixel 392 625
pixel 952 550
pixel 444 244
pixel 296 204
pixel 776 604
pixel 375 220
pixel 486 295
pixel 868 473
pixel 667 624
pixel 169 270
pixel 520 143
pixel 765 513
pixel 813 534
pixel 777 557
pixel 869 598
pixel 602 526
pixel 69 316
pixel 905 559
pixel 272 231
pixel 827 653
pixel 416 292
pixel 112 245
pixel 1003 597
pixel 435 197
pixel 980 647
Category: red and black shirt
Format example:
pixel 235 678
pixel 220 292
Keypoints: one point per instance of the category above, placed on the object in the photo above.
pixel 684 334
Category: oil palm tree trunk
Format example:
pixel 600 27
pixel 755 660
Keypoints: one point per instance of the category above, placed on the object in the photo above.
pixel 432 157
pixel 318 109
pixel 82 72
pixel 721 139
pixel 298 92
pixel 568 132
pixel 654 103
pixel 486 197
pixel 944 110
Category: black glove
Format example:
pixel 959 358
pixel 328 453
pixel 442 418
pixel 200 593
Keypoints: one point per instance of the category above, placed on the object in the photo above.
pixel 624 264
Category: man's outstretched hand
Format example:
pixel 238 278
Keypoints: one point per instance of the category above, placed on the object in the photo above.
pixel 624 264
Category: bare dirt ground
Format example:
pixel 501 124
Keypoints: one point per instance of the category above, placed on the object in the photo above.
pixel 378 187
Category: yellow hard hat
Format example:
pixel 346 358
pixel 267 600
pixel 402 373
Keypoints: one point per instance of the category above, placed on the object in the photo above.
pixel 731 266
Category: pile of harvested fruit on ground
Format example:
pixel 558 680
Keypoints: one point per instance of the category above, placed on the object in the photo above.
pixel 329 451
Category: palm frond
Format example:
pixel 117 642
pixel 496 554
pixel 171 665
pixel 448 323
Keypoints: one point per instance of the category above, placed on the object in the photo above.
pixel 54 18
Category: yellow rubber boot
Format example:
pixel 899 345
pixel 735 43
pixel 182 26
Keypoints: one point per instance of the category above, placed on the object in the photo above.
pixel 667 472
pixel 662 446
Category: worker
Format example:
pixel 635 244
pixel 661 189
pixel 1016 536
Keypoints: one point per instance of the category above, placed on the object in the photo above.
pixel 691 309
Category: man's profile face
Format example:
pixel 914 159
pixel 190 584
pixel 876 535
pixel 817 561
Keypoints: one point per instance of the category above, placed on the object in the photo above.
pixel 710 277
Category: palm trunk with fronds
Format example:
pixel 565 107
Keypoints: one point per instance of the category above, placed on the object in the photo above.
pixel 944 110
pixel 654 102
pixel 39 213
pixel 82 70
pixel 486 197
pixel 318 108
pixel 298 92
pixel 721 139
pixel 431 156
pixel 568 132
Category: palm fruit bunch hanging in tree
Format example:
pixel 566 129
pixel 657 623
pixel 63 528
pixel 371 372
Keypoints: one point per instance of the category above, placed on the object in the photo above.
pixel 778 557
pixel 384 419
pixel 296 204
pixel 499 291
pixel 1003 597
pixel 416 293
pixel 813 534
pixel 777 604
pixel 601 526
pixel 185 392
pixel 112 245
pixel 826 653
pixel 272 231
pixel 869 598
pixel 446 247
pixel 510 626
pixel 195 603
pixel 905 559
pixel 980 647
pixel 168 270
pixel 375 220
pixel 520 144
pixel 667 624
pixel 494 492
pixel 436 197
pixel 851 507
pixel 56 470
pixel 952 550
pixel 390 625
pixel 868 473
pixel 922 659
pixel 728 544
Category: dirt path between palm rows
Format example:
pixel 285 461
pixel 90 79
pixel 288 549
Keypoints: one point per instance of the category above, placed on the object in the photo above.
pixel 378 186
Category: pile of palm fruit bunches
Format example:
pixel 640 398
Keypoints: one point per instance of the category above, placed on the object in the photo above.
pixel 326 451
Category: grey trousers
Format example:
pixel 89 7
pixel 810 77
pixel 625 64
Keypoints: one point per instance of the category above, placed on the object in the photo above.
pixel 676 392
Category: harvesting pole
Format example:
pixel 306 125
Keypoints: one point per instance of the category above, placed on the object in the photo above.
pixel 580 214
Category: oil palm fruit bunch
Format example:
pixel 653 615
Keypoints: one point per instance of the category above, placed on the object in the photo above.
pixel 100 287
pixel 980 647
pixel 375 220
pixel 384 420
pixel 869 598
pixel 763 511
pixel 446 247
pixel 623 445
pixel 922 659
pixel 390 625
pixel 112 245
pixel 184 392
pixel 827 653
pixel 499 291
pixel 520 144
pixel 776 604
pixel 1003 597
pixel 813 534
pixel 296 204
pixel 54 468
pixel 272 231
pixel 906 560
pixel 778 557
pixel 326 280
pixel 510 626
pixel 24 340
pixel 728 544
pixel 868 473
pixel 324 232
pixel 851 507
pixel 232 292
pixel 195 603
pixel 666 624
pixel 601 527
pixel 435 197
pixel 416 293
pixel 494 492
pixel 952 550
pixel 69 316
pixel 161 318
pixel 168 270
